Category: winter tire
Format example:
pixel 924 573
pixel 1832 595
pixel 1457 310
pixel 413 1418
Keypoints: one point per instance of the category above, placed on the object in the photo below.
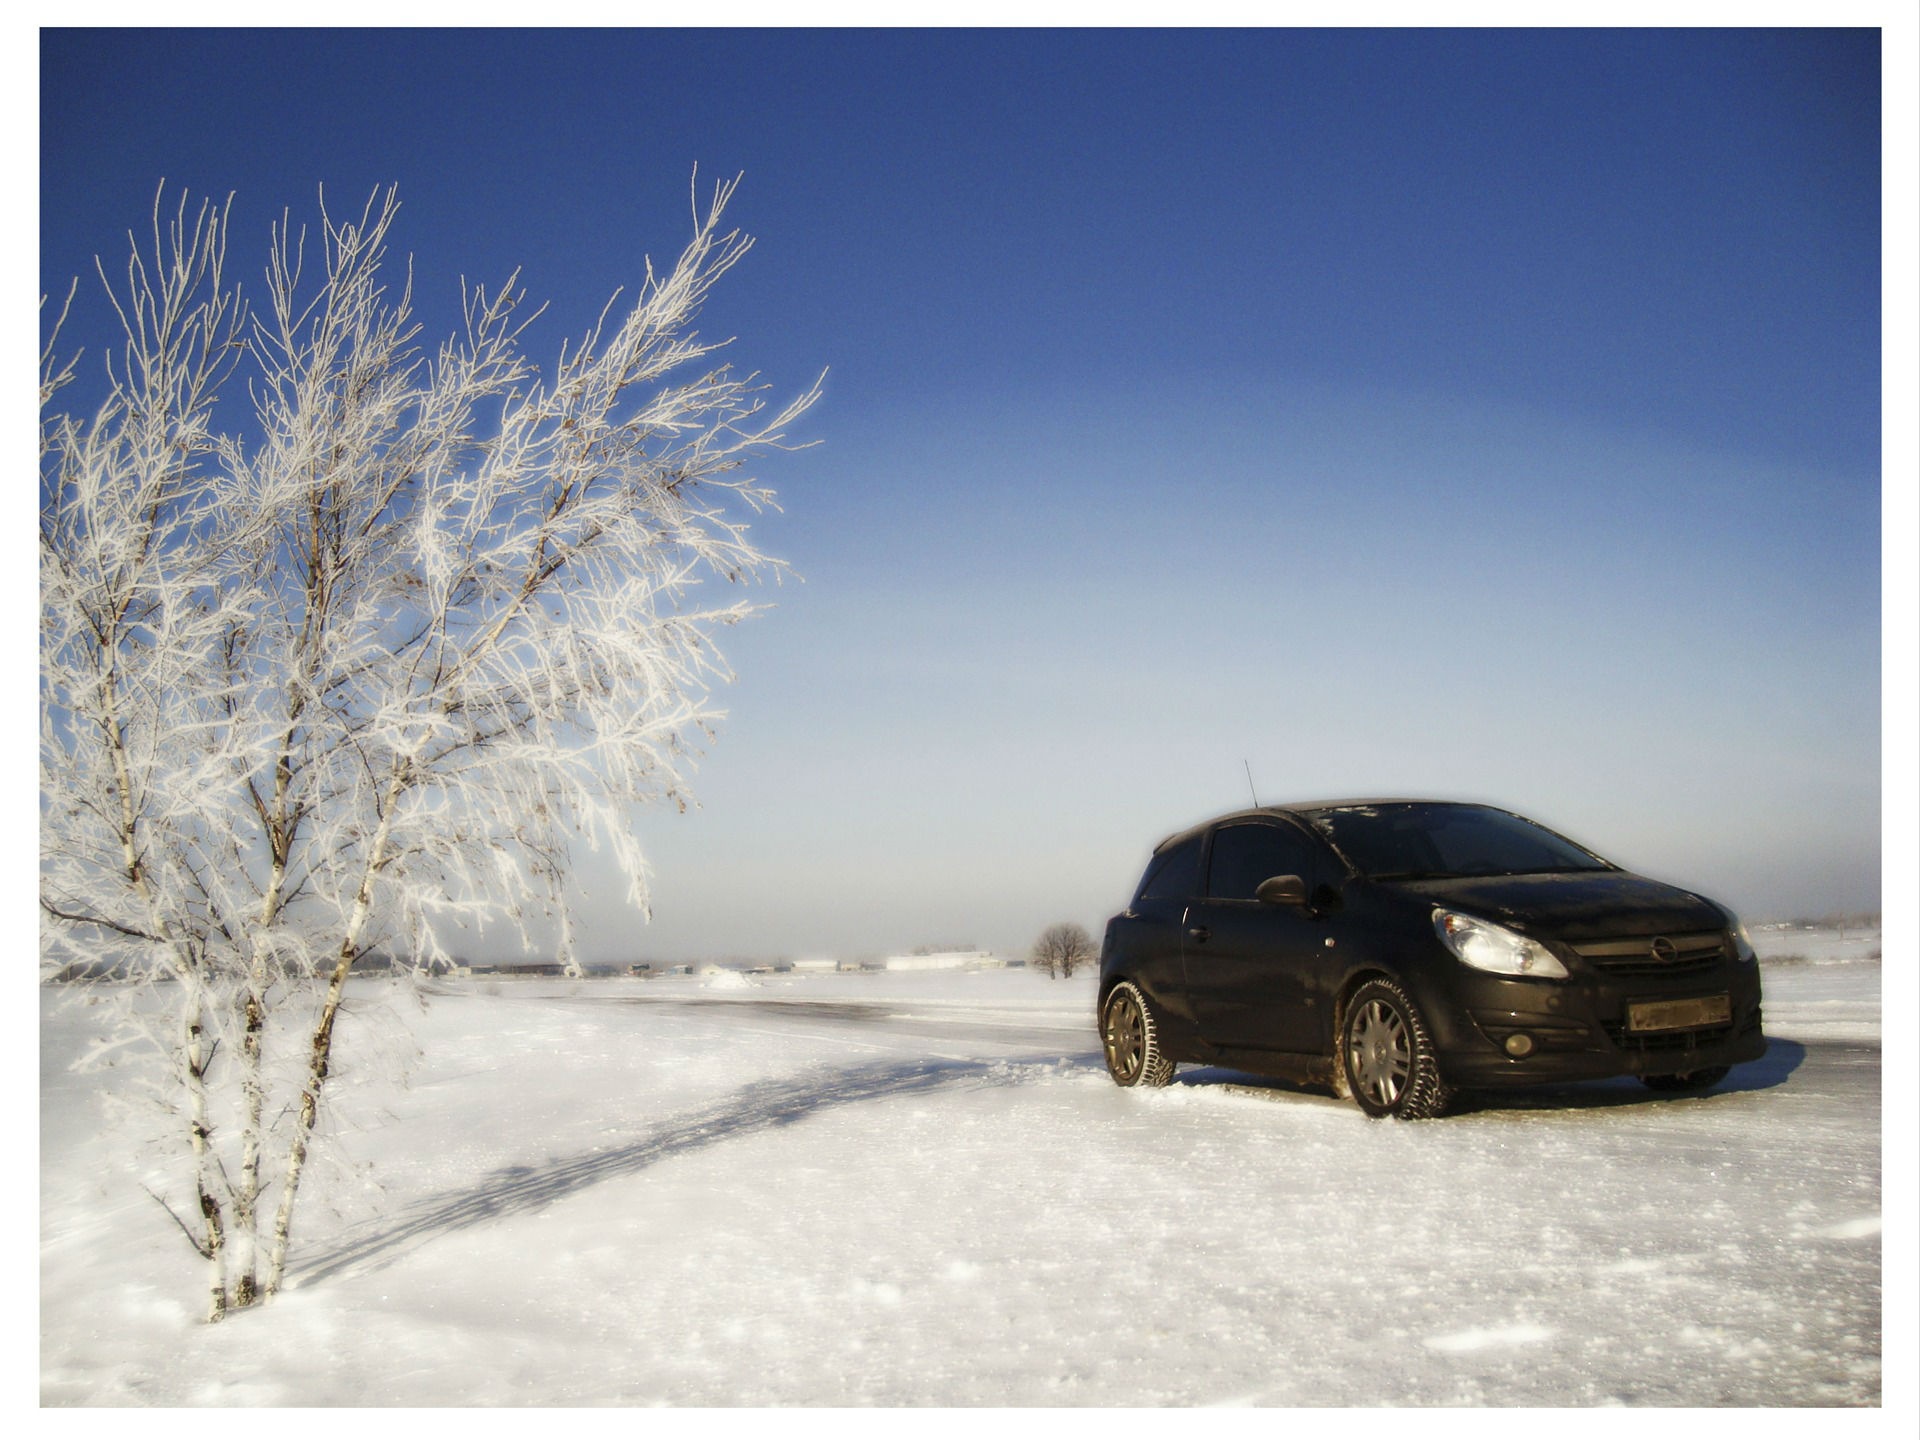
pixel 1690 1080
pixel 1130 1034
pixel 1386 1051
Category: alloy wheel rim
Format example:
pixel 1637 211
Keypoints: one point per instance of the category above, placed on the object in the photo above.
pixel 1379 1052
pixel 1125 1036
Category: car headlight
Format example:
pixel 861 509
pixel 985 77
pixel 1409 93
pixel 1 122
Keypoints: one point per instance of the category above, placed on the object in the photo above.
pixel 1486 946
pixel 1742 942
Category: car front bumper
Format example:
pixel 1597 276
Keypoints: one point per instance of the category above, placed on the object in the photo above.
pixel 1584 1030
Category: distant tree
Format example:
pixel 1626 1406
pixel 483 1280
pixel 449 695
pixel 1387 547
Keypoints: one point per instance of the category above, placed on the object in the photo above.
pixel 1064 948
pixel 369 671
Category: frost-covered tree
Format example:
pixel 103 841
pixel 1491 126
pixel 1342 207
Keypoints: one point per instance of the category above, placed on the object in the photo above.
pixel 1063 948
pixel 362 668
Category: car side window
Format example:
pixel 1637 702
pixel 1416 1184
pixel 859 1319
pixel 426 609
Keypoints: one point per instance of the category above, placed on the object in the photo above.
pixel 1174 875
pixel 1244 855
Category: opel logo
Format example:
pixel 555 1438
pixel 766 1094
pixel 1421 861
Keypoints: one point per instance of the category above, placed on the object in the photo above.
pixel 1663 950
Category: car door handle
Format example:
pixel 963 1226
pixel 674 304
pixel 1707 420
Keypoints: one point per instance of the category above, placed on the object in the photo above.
pixel 1200 933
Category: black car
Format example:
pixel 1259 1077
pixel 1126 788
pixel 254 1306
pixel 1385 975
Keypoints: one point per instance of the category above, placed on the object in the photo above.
pixel 1400 950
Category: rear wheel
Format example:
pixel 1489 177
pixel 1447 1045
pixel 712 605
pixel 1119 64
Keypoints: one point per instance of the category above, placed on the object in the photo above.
pixel 1689 1080
pixel 1130 1034
pixel 1388 1057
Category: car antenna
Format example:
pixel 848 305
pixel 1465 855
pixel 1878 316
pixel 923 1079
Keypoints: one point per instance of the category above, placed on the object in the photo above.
pixel 1250 792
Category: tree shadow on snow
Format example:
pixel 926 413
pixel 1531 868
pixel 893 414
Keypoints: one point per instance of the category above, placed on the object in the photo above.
pixel 524 1189
pixel 1772 1069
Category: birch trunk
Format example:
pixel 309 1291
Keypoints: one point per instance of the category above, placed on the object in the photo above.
pixel 321 1051
pixel 246 1192
pixel 246 1196
pixel 195 1054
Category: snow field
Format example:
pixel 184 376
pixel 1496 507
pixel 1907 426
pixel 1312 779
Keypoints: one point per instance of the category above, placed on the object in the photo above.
pixel 922 1190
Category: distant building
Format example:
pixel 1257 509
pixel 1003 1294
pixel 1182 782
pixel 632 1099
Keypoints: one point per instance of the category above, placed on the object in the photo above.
pixel 945 960
pixel 816 966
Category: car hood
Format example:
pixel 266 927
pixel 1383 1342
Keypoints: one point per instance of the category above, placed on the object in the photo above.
pixel 1580 905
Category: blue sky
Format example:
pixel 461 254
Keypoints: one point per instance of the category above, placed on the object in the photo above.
pixel 1485 414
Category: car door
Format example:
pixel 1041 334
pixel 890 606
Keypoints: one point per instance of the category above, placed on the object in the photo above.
pixel 1251 967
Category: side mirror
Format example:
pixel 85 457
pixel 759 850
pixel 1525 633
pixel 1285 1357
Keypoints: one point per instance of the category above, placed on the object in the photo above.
pixel 1282 890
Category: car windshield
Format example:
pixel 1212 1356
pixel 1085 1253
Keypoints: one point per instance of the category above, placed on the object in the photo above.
pixel 1421 841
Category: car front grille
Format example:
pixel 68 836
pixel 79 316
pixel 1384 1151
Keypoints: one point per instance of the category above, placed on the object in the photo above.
pixel 1690 955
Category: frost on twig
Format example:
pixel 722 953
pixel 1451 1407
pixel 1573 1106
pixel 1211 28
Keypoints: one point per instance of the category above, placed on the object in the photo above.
pixel 361 672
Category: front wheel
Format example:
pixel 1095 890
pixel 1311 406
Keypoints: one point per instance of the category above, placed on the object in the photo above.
pixel 1130 1034
pixel 1689 1080
pixel 1387 1053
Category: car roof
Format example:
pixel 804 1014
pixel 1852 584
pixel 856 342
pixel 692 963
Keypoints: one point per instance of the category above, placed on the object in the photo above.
pixel 1300 808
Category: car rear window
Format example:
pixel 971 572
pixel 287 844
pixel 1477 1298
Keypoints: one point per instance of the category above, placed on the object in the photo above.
pixel 1173 874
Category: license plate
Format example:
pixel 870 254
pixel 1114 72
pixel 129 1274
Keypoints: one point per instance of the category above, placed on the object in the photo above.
pixel 1679 1014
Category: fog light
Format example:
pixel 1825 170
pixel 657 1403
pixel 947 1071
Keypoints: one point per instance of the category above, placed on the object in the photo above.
pixel 1519 1046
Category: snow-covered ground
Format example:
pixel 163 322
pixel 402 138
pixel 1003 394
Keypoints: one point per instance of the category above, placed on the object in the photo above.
pixel 921 1189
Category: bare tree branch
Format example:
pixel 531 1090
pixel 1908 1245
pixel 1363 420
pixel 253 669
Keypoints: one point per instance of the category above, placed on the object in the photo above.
pixel 367 674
